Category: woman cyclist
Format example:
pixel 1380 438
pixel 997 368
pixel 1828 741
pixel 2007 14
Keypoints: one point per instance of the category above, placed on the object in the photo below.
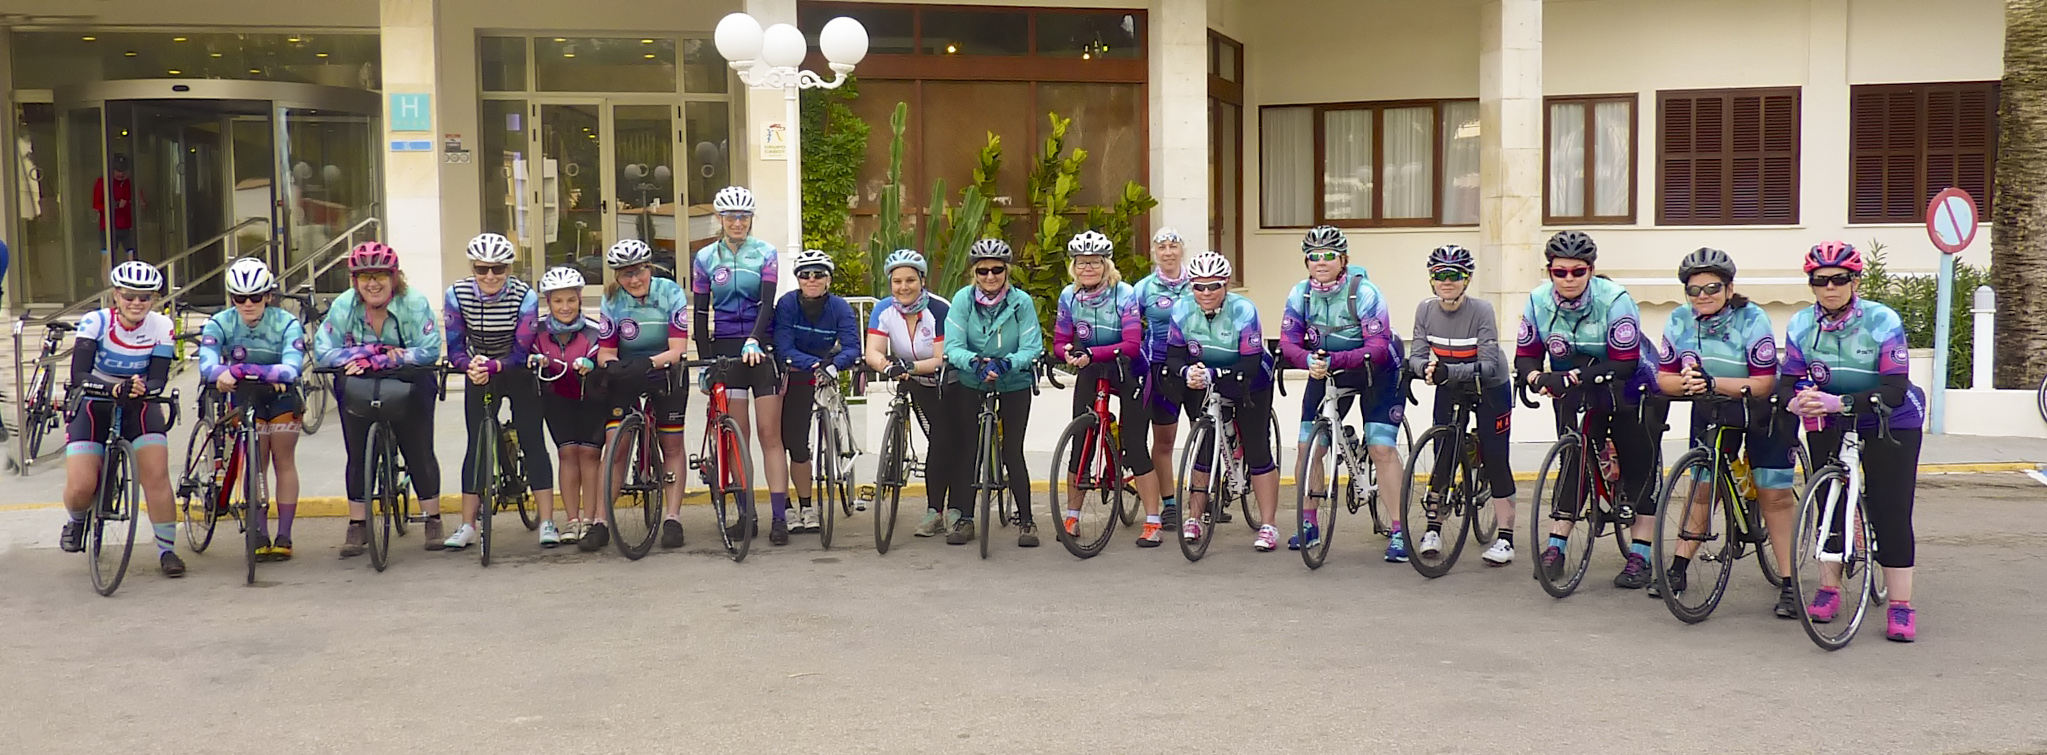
pixel 734 287
pixel 906 342
pixel 1848 354
pixel 1582 326
pixel 643 329
pixel 1718 342
pixel 1337 323
pixel 1158 293
pixel 817 335
pixel 127 349
pixel 565 345
pixel 490 324
pixel 257 342
pixel 1215 329
pixel 1456 342
pixel 1099 325
pixel 381 324
pixel 994 340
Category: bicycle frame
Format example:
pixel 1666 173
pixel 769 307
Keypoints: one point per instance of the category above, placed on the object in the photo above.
pixel 1347 451
pixel 1850 457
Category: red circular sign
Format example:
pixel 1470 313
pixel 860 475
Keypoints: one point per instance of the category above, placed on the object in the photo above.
pixel 1951 220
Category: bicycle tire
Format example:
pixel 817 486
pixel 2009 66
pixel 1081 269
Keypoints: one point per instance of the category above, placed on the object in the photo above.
pixel 1806 574
pixel 1101 504
pixel 890 475
pixel 254 500
pixel 1564 457
pixel 1321 442
pixel 513 483
pixel 849 453
pixel 114 506
pixel 618 476
pixel 1127 514
pixel 1485 527
pixel 381 488
pixel 41 414
pixel 1677 523
pixel 736 482
pixel 484 446
pixel 402 480
pixel 1193 550
pixel 1246 500
pixel 198 485
pixel 1459 493
pixel 824 466
pixel 2040 397
pixel 319 393
pixel 987 481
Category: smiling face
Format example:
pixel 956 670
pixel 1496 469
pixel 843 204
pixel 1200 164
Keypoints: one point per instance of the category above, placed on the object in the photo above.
pixel 906 284
pixel 375 288
pixel 737 225
pixel 813 281
pixel 1209 292
pixel 1707 303
pixel 566 304
pixel 991 276
pixel 490 279
pixel 1450 290
pixel 1571 276
pixel 251 307
pixel 1169 255
pixel 1090 271
pixel 1835 294
pixel 1325 266
pixel 636 279
pixel 133 305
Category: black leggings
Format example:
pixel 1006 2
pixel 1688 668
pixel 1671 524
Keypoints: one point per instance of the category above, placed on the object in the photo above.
pixel 1636 454
pixel 799 402
pixel 1494 416
pixel 515 385
pixel 1253 415
pixel 1014 408
pixel 414 431
pixel 1890 474
pixel 1136 419
pixel 948 418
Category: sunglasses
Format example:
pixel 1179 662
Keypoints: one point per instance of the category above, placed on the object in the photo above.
pixel 736 215
pixel 138 298
pixel 1324 256
pixel 491 269
pixel 811 275
pixel 988 272
pixel 248 299
pixel 1449 275
pixel 1569 272
pixel 1207 287
pixel 1830 281
pixel 635 271
pixel 1710 289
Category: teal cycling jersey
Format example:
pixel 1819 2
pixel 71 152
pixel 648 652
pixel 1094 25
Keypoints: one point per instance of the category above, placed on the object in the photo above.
pixel 273 350
pixel 1223 339
pixel 640 326
pixel 1350 322
pixel 733 279
pixel 1157 296
pixel 1602 324
pixel 408 337
pixel 1732 343
pixel 1106 322
pixel 1853 355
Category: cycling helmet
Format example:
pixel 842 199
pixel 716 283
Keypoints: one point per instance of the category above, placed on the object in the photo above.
pixel 627 253
pixel 1167 234
pixel 248 277
pixel 1571 245
pixel 1208 265
pixel 904 258
pixel 491 249
pixel 1089 244
pixel 1451 257
pixel 136 275
pixel 1839 254
pixel 732 199
pixel 559 278
pixel 813 258
pixel 989 249
pixel 1325 237
pixel 372 257
pixel 1706 260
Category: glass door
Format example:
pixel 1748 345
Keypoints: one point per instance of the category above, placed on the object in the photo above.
pixel 81 156
pixel 331 166
pixel 571 187
pixel 643 205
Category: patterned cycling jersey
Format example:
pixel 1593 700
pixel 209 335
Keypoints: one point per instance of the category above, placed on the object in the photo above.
pixel 1221 339
pixel 124 352
pixel 408 336
pixel 915 344
pixel 561 344
pixel 1106 322
pixel 1730 344
pixel 1158 296
pixel 1350 321
pixel 734 280
pixel 1852 355
pixel 1602 324
pixel 635 325
pixel 272 351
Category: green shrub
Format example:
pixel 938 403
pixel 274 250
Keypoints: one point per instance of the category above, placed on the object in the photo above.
pixel 1915 297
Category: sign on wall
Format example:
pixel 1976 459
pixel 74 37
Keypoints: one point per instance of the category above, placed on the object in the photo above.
pixel 410 113
pixel 775 141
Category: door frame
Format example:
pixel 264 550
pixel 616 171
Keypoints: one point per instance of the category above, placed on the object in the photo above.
pixel 608 170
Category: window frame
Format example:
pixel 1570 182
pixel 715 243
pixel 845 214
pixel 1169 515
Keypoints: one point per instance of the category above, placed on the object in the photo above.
pixel 1588 103
pixel 1728 96
pixel 1226 91
pixel 1317 214
pixel 1920 151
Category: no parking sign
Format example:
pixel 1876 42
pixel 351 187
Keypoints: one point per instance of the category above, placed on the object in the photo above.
pixel 1951 223
pixel 1951 220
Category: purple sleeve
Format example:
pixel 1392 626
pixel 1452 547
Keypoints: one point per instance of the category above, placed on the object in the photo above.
pixel 522 337
pixel 1251 341
pixel 457 334
pixel 699 279
pixel 1062 328
pixel 1132 318
pixel 1293 333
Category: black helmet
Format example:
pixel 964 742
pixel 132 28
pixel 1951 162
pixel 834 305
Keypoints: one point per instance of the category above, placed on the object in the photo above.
pixel 1571 245
pixel 1706 260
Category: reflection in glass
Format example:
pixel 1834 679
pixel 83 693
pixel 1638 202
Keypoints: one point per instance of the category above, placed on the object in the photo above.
pixel 708 129
pixel 604 64
pixel 643 148
pixel 40 207
pixel 571 184
pixel 502 159
pixel 84 167
pixel 1107 122
pixel 51 59
pixel 965 32
pixel 504 63
pixel 890 31
pixel 704 71
pixel 1086 35
pixel 333 179
pixel 1347 164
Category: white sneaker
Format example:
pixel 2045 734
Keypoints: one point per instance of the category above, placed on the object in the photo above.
pixel 463 538
pixel 1432 544
pixel 1501 554
pixel 549 536
pixel 806 520
pixel 573 532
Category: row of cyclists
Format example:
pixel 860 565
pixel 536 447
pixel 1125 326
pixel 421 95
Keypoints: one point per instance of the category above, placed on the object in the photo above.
pixel 1162 344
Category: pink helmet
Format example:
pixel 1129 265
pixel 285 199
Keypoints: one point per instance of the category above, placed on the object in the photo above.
pixel 372 256
pixel 1839 254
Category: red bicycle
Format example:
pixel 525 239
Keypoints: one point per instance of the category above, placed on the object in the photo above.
pixel 723 464
pixel 1088 459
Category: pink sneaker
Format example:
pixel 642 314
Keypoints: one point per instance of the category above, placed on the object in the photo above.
pixel 1826 604
pixel 1268 539
pixel 1190 531
pixel 1904 625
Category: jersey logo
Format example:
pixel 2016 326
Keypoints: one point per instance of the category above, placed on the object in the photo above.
pixel 209 341
pixel 1819 372
pixel 1163 302
pixel 605 327
pixel 1312 338
pixel 1668 349
pixel 1083 332
pixel 1688 360
pixel 1194 349
pixel 722 275
pixel 1373 327
pixel 1625 332
pixel 680 320
pixel 428 327
pixel 239 354
pixel 298 343
pixel 1764 353
pixel 629 329
pixel 1527 335
pixel 1558 347
pixel 1900 355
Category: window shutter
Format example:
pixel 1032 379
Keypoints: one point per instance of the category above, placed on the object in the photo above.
pixel 1729 157
pixel 1909 141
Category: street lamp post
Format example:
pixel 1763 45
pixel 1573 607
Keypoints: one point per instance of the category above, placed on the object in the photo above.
pixel 769 59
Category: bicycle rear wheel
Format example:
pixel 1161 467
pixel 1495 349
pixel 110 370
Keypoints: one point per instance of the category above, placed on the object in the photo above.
pixel 1556 503
pixel 1695 511
pixel 110 526
pixel 1446 504
pixel 486 483
pixel 1191 457
pixel 1098 486
pixel 632 510
pixel 732 478
pixel 198 488
pixel 319 390
pixel 381 489
pixel 515 490
pixel 42 412
pixel 825 466
pixel 889 477
pixel 1851 566
pixel 1322 477
pixel 1766 556
pixel 849 452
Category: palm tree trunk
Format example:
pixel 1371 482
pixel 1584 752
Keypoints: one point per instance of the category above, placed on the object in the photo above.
pixel 2018 234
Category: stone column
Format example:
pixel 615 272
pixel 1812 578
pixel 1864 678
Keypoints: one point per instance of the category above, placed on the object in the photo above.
pixel 412 180
pixel 1510 163
pixel 1178 72
pixel 1824 99
pixel 774 193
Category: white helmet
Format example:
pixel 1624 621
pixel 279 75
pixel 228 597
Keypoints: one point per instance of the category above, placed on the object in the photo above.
pixel 491 249
pixel 813 258
pixel 249 276
pixel 627 253
pixel 732 199
pixel 556 279
pixel 1209 265
pixel 136 275
pixel 1089 244
pixel 904 258
pixel 1167 234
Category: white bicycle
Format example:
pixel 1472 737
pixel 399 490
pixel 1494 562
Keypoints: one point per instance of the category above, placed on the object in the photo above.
pixel 1835 545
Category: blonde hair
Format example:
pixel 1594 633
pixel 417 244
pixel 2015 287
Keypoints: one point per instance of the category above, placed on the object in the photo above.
pixel 1110 277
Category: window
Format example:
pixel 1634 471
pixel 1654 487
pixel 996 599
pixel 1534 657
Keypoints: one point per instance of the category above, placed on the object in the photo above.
pixel 1590 171
pixel 1226 148
pixel 1906 142
pixel 1727 157
pixel 1370 164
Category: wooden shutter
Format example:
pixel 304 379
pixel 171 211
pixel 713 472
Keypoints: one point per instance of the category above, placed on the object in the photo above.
pixel 1909 141
pixel 1728 157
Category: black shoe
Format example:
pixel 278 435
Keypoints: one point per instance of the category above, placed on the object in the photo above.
pixel 962 532
pixel 671 533
pixel 1787 601
pixel 1635 576
pixel 594 538
pixel 171 565
pixel 72 539
pixel 778 532
pixel 1222 516
pixel 1027 535
pixel 1678 583
pixel 736 531
pixel 1169 518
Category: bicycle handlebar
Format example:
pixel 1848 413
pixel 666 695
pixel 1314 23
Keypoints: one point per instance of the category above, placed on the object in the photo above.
pixel 438 370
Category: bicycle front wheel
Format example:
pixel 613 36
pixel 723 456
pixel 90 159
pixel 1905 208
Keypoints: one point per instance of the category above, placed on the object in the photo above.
pixel 1561 509
pixel 826 467
pixel 486 482
pixel 732 487
pixel 1443 506
pixel 384 496
pixel 632 507
pixel 255 500
pixel 198 488
pixel 987 479
pixel 1191 459
pixel 1831 561
pixel 1322 477
pixel 1695 522
pixel 42 412
pixel 1085 494
pixel 110 526
pixel 515 490
pixel 889 477
pixel 319 390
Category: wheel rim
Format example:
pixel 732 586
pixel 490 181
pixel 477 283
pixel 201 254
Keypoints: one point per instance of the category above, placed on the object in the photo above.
pixel 1187 490
pixel 1561 463
pixel 1854 585
pixel 626 505
pixel 198 489
pixel 1696 517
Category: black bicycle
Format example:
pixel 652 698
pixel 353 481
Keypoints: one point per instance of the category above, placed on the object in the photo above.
pixel 898 463
pixel 110 522
pixel 500 469
pixel 1448 458
pixel 40 411
pixel 1577 490
pixel 635 476
pixel 991 479
pixel 381 397
pixel 1710 515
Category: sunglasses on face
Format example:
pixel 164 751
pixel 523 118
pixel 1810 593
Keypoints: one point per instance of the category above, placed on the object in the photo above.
pixel 736 215
pixel 1207 287
pixel 1324 256
pixel 137 298
pixel 1569 272
pixel 811 275
pixel 491 269
pixel 248 299
pixel 1710 289
pixel 988 272
pixel 1448 275
pixel 1830 281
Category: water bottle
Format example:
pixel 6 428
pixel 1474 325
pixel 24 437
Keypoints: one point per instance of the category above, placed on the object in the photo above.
pixel 1812 424
pixel 1744 478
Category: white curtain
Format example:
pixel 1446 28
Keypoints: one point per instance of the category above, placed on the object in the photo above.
pixel 1460 163
pixel 1286 138
pixel 1347 178
pixel 1410 162
pixel 1567 160
pixel 1614 122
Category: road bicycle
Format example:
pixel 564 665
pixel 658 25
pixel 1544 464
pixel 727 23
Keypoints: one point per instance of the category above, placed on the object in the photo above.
pixel 1331 471
pixel 1089 460
pixel 1449 463
pixel 40 411
pixel 1835 541
pixel 898 463
pixel 635 475
pixel 832 455
pixel 317 386
pixel 381 397
pixel 110 522
pixel 1577 489
pixel 991 476
pixel 1224 456
pixel 1709 508
pixel 221 457
pixel 501 483
pixel 723 462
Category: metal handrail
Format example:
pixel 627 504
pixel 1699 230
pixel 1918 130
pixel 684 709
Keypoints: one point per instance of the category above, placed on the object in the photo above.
pixel 165 265
pixel 344 241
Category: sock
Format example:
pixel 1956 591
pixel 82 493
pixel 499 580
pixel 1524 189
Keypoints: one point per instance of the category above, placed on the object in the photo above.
pixel 77 517
pixel 1640 548
pixel 1558 542
pixel 1679 564
pixel 166 536
pixel 434 517
pixel 1313 516
pixel 1073 513
pixel 1151 519
pixel 1507 535
pixel 780 502
pixel 286 512
pixel 1396 528
pixel 803 502
pixel 1170 502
